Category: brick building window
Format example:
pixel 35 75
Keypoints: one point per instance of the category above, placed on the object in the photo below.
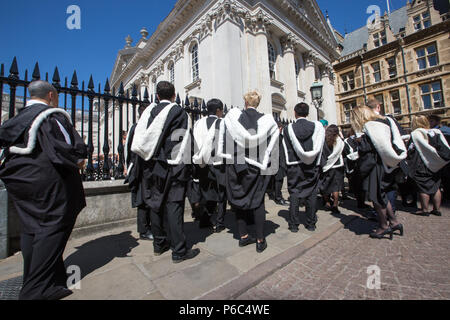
pixel 427 56
pixel 348 106
pixel 392 67
pixel 376 71
pixel 395 102
pixel 431 95
pixel 348 81
pixel 379 39
pixel 422 21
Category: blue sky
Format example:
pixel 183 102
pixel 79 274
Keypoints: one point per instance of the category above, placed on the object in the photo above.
pixel 36 31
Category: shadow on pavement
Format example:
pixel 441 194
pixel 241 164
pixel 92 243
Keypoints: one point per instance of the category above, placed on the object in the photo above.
pixel 99 252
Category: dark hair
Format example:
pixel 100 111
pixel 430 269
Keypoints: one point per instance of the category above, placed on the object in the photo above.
pixel 165 90
pixel 373 103
pixel 302 109
pixel 331 135
pixel 141 109
pixel 214 105
pixel 435 118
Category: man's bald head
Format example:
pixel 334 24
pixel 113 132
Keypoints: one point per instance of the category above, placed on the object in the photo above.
pixel 42 90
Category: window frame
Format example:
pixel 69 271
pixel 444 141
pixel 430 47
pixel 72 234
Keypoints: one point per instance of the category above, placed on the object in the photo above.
pixel 195 64
pixel 171 68
pixel 347 116
pixel 272 60
pixel 392 67
pixel 427 55
pixel 431 94
pixel 419 24
pixel 395 101
pixel 376 71
pixel 348 82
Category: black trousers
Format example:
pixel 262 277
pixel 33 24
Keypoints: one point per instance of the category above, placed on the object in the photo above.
pixel 210 208
pixel 311 210
pixel 259 214
pixel 168 226
pixel 44 272
pixel 278 187
pixel 143 219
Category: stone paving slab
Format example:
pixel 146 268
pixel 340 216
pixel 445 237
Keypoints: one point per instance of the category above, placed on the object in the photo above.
pixel 115 264
pixel 413 267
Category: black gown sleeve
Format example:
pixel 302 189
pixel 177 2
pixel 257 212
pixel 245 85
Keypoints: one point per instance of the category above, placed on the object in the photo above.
pixel 55 146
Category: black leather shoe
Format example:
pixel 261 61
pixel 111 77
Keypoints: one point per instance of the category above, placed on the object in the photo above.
pixel 436 213
pixel 190 254
pixel 400 228
pixel 311 228
pixel 261 246
pixel 146 236
pixel 205 224
pixel 219 229
pixel 293 229
pixel 247 241
pixel 282 202
pixel 165 248
pixel 388 231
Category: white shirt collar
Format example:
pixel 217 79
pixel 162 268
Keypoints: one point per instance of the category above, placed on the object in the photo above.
pixel 165 101
pixel 300 118
pixel 31 102
pixel 251 108
pixel 214 116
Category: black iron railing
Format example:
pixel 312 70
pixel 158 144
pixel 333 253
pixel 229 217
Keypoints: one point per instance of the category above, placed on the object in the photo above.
pixel 111 163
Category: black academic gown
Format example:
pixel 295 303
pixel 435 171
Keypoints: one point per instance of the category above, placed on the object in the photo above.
pixel 351 167
pixel 332 180
pixel 303 180
pixel 376 181
pixel 212 177
pixel 164 182
pixel 427 181
pixel 245 185
pixel 46 189
pixel 135 175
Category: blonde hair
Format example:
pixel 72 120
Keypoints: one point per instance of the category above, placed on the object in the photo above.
pixel 252 99
pixel 420 122
pixel 360 115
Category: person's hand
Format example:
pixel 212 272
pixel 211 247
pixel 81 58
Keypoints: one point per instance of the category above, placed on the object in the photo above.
pixel 81 164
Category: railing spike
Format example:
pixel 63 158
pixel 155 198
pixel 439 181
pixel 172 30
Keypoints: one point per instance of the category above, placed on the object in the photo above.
pixel 36 73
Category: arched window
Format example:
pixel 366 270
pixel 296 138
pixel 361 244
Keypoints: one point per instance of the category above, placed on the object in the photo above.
pixel 172 72
pixel 272 60
pixel 195 64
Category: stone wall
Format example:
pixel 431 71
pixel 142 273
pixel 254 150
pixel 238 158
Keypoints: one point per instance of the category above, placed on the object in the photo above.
pixel 108 206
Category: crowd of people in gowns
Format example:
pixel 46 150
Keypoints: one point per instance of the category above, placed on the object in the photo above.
pixel 220 161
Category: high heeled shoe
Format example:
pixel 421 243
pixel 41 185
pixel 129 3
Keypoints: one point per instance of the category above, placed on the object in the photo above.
pixel 388 231
pixel 400 228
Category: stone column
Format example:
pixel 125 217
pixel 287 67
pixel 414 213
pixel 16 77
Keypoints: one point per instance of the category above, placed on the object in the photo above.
pixel 329 100
pixel 258 72
pixel 310 77
pixel 288 76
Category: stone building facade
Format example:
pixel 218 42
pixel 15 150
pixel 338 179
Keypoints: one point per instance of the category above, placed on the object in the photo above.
pixel 224 48
pixel 402 60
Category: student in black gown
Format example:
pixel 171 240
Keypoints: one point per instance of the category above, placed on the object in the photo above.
pixel 135 182
pixel 163 139
pixel 428 154
pixel 332 177
pixel 42 154
pixel 380 149
pixel 248 141
pixel 211 168
pixel 303 145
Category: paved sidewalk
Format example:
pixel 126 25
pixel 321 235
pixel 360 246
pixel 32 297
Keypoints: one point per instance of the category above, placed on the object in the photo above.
pixel 413 267
pixel 115 265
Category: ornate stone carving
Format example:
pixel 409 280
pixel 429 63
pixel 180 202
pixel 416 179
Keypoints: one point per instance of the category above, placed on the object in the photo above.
pixel 289 42
pixel 310 59
pixel 257 23
pixel 228 10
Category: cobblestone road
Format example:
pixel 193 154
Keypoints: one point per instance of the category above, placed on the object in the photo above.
pixel 416 266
